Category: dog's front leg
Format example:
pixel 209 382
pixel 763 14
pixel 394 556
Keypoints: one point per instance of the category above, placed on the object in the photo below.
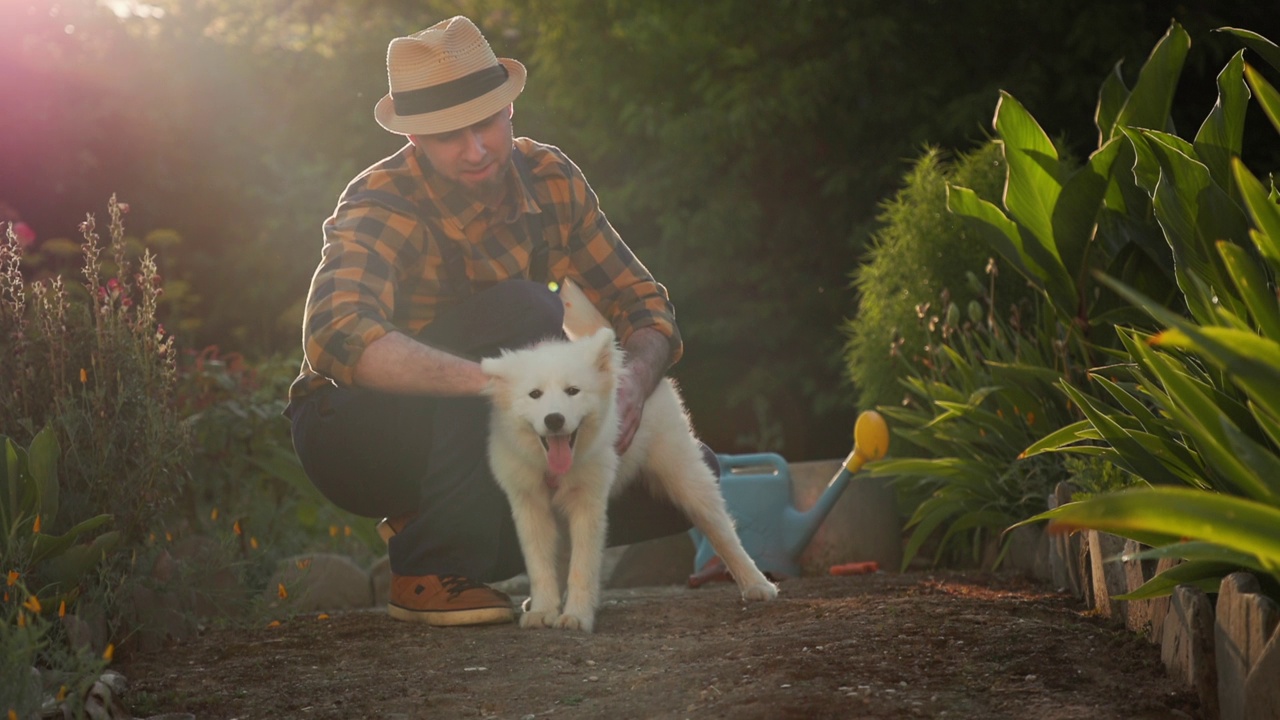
pixel 586 511
pixel 536 526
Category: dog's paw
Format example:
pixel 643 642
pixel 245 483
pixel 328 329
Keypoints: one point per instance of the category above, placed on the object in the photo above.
pixel 760 591
pixel 535 619
pixel 585 623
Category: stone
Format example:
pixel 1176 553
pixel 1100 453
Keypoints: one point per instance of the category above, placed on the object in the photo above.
pixel 863 524
pixel 320 581
pixel 1159 607
pixel 1137 613
pixel 1029 552
pixel 1262 688
pixel 1245 622
pixel 1187 646
pixel 380 580
pixel 1070 548
pixel 1108 574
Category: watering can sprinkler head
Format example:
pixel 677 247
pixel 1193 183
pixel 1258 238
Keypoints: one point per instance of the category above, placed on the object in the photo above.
pixel 870 440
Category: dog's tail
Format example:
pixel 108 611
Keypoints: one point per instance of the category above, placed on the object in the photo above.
pixel 581 318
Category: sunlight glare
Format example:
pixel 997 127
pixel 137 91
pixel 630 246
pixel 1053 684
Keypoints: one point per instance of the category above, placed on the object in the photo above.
pixel 125 9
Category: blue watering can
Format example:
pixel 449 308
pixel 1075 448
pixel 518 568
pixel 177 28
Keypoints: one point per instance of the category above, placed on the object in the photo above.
pixel 757 490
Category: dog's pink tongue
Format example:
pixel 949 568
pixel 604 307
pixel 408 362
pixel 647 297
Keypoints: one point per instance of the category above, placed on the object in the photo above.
pixel 559 454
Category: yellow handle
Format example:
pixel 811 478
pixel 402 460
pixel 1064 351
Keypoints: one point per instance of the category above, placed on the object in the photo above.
pixel 870 440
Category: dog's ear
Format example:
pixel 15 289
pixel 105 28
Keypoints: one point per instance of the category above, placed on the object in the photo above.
pixel 607 355
pixel 495 368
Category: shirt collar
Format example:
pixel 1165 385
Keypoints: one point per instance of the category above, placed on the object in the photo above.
pixel 457 208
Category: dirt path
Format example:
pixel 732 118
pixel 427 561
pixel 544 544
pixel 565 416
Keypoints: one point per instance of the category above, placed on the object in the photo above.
pixel 938 645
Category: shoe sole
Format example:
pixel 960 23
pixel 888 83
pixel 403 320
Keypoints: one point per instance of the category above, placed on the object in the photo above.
pixel 449 618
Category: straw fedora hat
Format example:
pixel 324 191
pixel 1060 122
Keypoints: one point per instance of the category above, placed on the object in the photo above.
pixel 444 78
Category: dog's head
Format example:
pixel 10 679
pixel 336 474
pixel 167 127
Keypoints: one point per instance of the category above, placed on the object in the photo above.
pixel 559 393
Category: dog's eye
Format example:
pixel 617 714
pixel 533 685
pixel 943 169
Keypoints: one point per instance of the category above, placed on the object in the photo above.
pixel 571 391
pixel 535 393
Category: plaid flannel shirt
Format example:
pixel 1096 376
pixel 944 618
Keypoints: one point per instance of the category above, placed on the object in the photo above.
pixel 382 267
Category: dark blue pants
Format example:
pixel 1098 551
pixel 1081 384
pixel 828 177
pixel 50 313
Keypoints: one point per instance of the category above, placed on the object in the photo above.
pixel 377 454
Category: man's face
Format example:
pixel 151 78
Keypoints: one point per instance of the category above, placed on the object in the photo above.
pixel 475 157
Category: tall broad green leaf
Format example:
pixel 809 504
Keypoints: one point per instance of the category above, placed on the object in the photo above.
pixel 1221 137
pixel 1252 284
pixel 1001 232
pixel 1263 211
pixel 1076 212
pixel 42 461
pixel 1237 523
pixel 1258 44
pixel 1152 97
pixel 1193 211
pixel 1267 96
pixel 1031 192
pixel 1111 99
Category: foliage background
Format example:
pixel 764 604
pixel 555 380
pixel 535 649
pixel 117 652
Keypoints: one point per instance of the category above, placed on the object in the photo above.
pixel 741 148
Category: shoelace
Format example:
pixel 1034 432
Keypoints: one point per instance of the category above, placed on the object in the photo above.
pixel 457 584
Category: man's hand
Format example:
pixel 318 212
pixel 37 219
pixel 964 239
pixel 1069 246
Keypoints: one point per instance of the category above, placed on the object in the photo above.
pixel 648 353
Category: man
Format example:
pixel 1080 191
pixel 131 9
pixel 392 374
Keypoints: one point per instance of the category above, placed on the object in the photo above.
pixel 437 256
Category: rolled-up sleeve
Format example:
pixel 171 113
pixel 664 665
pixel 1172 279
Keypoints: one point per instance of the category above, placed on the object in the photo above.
pixel 353 295
pixel 612 277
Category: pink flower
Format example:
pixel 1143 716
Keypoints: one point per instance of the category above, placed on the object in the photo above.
pixel 26 236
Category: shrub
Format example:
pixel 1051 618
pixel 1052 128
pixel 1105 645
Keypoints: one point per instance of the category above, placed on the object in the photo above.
pixel 93 363
pixel 921 250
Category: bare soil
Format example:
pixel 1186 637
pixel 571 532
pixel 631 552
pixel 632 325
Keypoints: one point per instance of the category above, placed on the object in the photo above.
pixel 916 645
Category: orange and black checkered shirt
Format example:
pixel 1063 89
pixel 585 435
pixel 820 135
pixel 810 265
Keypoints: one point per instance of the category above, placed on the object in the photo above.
pixel 383 263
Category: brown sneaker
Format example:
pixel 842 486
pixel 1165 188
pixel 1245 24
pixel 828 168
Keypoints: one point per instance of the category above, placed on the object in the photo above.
pixel 389 527
pixel 447 600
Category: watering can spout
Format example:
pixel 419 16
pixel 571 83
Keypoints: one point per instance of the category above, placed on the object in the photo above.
pixel 871 442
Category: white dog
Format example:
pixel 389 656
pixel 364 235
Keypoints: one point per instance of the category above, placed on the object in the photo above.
pixel 551 447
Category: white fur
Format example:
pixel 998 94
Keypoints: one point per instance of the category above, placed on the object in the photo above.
pixel 577 380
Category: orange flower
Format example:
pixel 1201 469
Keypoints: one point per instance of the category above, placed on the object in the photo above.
pixel 168 536
pixel 281 592
pixel 273 624
pixel 13 578
pixel 213 514
pixel 333 531
pixel 109 652
pixel 62 609
pixel 22 619
pixel 62 693
pixel 33 604
pixel 322 616
pixel 303 564
pixel 1031 418
pixel 84 376
pixel 253 542
pixel 236 528
pixel 35 526
pixel 346 530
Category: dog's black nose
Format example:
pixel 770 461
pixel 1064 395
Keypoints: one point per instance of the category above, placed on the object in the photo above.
pixel 554 421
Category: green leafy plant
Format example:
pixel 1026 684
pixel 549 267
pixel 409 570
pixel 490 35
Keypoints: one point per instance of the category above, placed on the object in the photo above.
pixel 56 566
pixel 29 501
pixel 983 390
pixel 92 363
pixel 920 250
pixel 1201 405
pixel 1059 223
